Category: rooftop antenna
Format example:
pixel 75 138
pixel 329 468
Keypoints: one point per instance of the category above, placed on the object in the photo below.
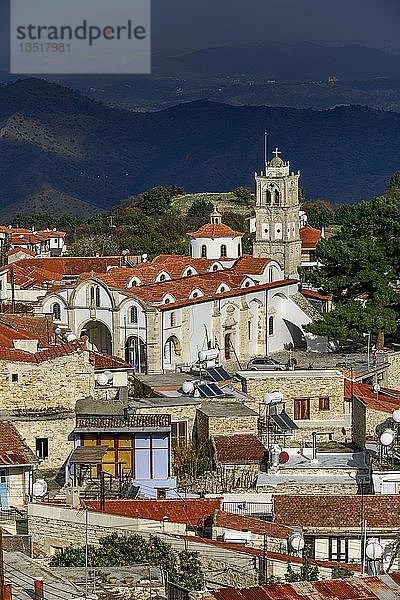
pixel 265 146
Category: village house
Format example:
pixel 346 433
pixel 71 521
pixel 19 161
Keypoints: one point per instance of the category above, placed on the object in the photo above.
pixel 47 242
pixel 17 466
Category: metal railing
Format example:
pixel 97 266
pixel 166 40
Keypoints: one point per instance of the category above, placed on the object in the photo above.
pixel 249 509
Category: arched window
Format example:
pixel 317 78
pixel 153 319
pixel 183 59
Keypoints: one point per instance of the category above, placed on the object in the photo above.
pixel 228 346
pixel 189 272
pixel 56 311
pixel 276 198
pixel 195 295
pixel 271 326
pixel 223 251
pixel 92 296
pixel 239 249
pixel 97 295
pixel 172 319
pixel 204 251
pixel 162 277
pixel 134 314
pixel 215 268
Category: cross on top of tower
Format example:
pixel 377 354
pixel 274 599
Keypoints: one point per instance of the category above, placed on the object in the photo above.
pixel 277 152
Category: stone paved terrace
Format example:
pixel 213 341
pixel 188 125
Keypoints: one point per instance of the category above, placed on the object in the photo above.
pixel 356 361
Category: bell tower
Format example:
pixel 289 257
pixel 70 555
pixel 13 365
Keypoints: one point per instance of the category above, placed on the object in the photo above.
pixel 277 215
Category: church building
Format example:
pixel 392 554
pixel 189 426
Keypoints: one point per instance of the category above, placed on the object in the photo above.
pixel 160 315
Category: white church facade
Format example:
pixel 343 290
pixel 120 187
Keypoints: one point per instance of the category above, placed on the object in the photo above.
pixel 159 315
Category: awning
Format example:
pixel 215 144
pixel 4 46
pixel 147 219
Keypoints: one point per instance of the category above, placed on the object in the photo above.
pixel 88 455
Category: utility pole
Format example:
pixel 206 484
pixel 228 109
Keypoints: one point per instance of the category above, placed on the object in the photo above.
pixel 1 566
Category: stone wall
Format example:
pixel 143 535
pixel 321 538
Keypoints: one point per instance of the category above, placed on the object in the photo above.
pixel 207 426
pixel 294 385
pixel 311 489
pixel 53 384
pixel 392 379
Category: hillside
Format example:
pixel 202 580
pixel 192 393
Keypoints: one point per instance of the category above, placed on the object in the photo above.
pixel 304 61
pixel 58 147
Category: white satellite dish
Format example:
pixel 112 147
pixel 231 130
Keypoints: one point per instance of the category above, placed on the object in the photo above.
pixel 373 549
pixel 396 415
pixel 57 331
pixel 39 488
pixel 187 387
pixel 102 379
pixel 296 541
pixel 376 388
pixel 110 376
pixel 387 437
pixel 70 337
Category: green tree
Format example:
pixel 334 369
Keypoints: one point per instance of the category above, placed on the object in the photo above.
pixel 307 571
pixel 198 214
pixel 361 266
pixel 156 201
pixel 244 195
pixel 394 185
pixel 319 214
pixel 182 568
pixel 341 572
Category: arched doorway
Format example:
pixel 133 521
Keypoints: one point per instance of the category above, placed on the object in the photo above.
pixel 228 346
pixel 172 350
pixel 99 336
pixel 136 354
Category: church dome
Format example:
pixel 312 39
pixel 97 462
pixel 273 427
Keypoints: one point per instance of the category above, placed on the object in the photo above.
pixel 277 162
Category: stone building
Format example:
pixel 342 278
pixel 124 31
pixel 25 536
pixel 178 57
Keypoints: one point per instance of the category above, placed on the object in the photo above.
pixel 314 399
pixel 277 215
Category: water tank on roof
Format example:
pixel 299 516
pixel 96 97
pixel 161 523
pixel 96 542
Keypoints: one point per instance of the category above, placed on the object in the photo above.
pixel 237 537
pixel 208 355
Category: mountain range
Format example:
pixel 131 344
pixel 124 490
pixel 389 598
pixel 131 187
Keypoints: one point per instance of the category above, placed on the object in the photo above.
pixel 62 152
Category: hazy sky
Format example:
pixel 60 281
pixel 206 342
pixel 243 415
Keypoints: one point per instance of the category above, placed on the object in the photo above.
pixel 202 23
pixel 189 24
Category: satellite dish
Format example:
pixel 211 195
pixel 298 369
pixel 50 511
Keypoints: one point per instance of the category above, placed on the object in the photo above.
pixel 387 437
pixel 70 337
pixel 110 376
pixel 125 252
pixel 373 549
pixel 144 257
pixel 102 379
pixel 57 331
pixel 296 542
pixel 39 488
pixel 396 415
pixel 376 388
pixel 187 387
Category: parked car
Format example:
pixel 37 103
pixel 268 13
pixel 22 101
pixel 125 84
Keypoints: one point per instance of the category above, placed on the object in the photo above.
pixel 266 363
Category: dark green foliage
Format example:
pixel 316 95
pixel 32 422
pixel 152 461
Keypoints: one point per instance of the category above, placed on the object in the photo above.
pixel 182 568
pixel 198 214
pixel 341 572
pixel 307 571
pixel 156 201
pixel 361 266
pixel 394 185
pixel 319 214
pixel 244 195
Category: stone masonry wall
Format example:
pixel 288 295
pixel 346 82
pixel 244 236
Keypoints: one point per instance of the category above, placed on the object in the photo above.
pixel 53 384
pixel 301 385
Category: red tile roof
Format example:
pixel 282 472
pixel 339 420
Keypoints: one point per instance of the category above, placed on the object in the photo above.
pixel 23 250
pixel 336 512
pixel 387 400
pixel 189 511
pixel 367 588
pixel 211 230
pixel 105 361
pixel 72 265
pixel 257 526
pixel 310 237
pixel 239 448
pixel 13 450
pixel 315 295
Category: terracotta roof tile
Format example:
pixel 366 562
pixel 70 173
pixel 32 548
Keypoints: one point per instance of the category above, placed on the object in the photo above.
pixel 257 526
pixel 23 250
pixel 189 511
pixel 315 295
pixel 13 450
pixel 310 237
pixel 335 512
pixel 239 448
pixel 212 231
pixel 383 401
pixel 106 361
